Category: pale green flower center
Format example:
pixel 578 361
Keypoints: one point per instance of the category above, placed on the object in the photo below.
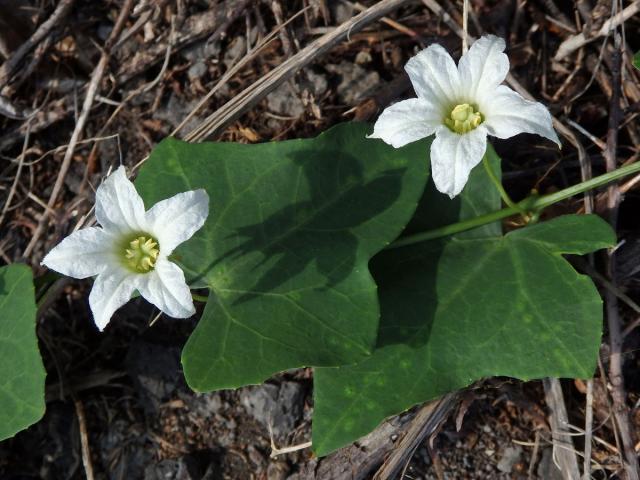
pixel 141 254
pixel 463 118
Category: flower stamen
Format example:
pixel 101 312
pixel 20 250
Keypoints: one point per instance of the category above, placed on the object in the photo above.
pixel 463 118
pixel 141 254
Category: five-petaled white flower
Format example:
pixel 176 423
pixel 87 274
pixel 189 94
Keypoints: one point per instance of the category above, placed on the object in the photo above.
pixel 461 105
pixel 130 250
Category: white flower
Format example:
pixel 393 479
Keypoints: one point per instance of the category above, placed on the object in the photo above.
pixel 461 105
pixel 130 251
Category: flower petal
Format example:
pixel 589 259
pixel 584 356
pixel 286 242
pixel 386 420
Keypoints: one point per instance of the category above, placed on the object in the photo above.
pixel 483 68
pixel 167 289
pixel 112 289
pixel 82 254
pixel 176 219
pixel 118 205
pixel 405 122
pixel 434 76
pixel 508 114
pixel 454 155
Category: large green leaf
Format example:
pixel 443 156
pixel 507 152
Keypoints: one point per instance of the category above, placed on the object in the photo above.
pixel 463 308
pixel 292 227
pixel 636 60
pixel 21 371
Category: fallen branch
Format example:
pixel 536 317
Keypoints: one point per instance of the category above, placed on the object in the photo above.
pixel 563 449
pixel 573 43
pixel 9 67
pixel 84 440
pixel 426 424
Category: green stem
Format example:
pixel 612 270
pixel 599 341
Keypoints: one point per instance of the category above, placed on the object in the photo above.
pixel 498 184
pixel 199 298
pixel 529 204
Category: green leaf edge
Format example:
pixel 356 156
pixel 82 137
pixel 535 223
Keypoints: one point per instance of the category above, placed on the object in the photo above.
pixel 605 238
pixel 33 409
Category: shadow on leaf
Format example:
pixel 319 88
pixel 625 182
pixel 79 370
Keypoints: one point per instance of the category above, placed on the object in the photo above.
pixel 406 276
pixel 318 229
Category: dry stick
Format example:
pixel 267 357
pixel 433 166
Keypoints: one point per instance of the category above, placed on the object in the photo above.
pixel 135 28
pixel 84 440
pixel 556 12
pixel 14 185
pixel 620 408
pixel 11 111
pixel 573 43
pixel 8 67
pixel 586 174
pixel 287 44
pixel 630 327
pixel 275 451
pixel 425 424
pixel 534 456
pixel 588 268
pixel 611 416
pixel 569 79
pixel 233 70
pixel 588 431
pixel 36 58
pixel 249 97
pixel 563 449
pixel 232 13
pixel 595 140
pixel 392 23
pixel 465 26
pixel 435 7
pixel 96 77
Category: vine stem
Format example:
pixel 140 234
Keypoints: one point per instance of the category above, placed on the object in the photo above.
pixel 533 204
pixel 199 298
pixel 498 184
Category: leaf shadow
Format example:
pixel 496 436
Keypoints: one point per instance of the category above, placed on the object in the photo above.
pixel 317 230
pixel 407 276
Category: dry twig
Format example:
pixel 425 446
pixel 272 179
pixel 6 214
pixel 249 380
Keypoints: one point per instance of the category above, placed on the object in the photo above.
pixel 10 66
pixel 84 440
pixel 563 449
pixel 425 424
pixel 94 84
pixel 616 339
pixel 571 44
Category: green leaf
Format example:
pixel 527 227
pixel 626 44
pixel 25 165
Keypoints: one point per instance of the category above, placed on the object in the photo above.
pixel 21 371
pixel 463 308
pixel 636 60
pixel 285 249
